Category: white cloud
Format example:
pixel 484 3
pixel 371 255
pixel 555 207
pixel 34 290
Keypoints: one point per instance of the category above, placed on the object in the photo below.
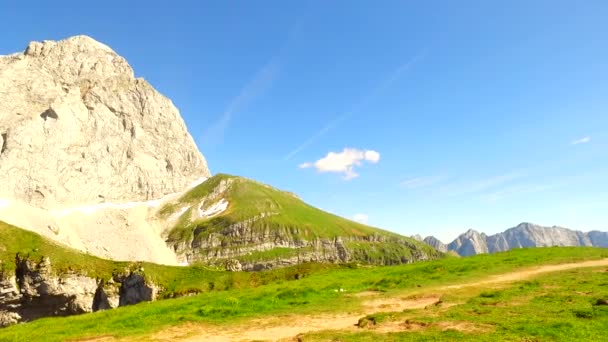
pixel 344 162
pixel 362 218
pixel 419 182
pixel 372 156
pixel 583 140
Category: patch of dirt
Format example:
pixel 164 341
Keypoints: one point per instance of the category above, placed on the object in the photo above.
pixel 465 327
pixel 529 273
pixel 367 294
pixel 96 339
pixel 399 304
pixel 413 325
pixel 397 326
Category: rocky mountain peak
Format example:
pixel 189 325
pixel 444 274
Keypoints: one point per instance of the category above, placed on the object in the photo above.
pixel 78 58
pixel 78 127
pixel 472 232
pixel 470 243
pixel 523 235
pixel 436 243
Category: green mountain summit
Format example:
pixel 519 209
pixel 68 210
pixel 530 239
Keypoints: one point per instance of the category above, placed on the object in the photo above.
pixel 247 225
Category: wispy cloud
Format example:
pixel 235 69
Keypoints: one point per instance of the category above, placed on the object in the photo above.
pixel 362 218
pixel 420 182
pixel 477 186
pixel 343 162
pixel 515 190
pixel 381 87
pixel 582 140
pixel 256 87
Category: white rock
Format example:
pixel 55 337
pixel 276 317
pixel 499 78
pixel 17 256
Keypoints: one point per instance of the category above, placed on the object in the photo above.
pixel 88 152
pixel 214 209
pixel 78 128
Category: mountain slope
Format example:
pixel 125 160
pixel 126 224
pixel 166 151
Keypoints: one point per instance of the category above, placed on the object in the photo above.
pixel 253 226
pixel 523 235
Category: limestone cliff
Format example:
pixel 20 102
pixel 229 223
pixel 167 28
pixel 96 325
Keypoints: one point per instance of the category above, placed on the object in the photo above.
pixel 35 291
pixel 435 243
pixel 78 127
pixel 87 150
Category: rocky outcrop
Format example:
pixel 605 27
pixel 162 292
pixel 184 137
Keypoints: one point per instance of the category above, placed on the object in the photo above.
pixel 232 246
pixel 470 243
pixel 134 289
pixel 435 243
pixel 36 291
pixel 524 235
pixel 44 294
pixel 598 239
pixel 78 127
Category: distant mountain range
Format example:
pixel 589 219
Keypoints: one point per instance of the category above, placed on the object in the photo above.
pixel 524 235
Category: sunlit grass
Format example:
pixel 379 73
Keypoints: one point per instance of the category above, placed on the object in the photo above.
pixel 317 291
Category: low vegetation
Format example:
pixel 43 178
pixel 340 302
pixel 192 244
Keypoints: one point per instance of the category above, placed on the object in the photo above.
pixel 523 310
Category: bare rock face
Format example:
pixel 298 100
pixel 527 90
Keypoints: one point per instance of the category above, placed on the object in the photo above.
pixel 531 235
pixel 435 243
pixel 523 235
pixel 470 243
pixel 77 127
pixel 36 291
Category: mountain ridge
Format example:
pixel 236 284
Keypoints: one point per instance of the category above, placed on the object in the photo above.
pixel 521 236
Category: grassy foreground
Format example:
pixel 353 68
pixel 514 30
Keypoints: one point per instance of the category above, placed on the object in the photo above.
pixel 560 306
pixel 320 292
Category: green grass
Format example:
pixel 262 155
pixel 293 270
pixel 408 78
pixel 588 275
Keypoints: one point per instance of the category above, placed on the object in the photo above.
pixel 249 198
pixel 554 307
pixel 15 241
pixel 317 291
pixel 288 216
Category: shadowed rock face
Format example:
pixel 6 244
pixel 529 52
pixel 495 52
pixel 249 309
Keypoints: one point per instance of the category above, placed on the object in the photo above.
pixel 77 127
pixel 524 235
pixel 435 243
pixel 35 291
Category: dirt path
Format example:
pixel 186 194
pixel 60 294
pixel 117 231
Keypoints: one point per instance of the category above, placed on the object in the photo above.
pixel 529 273
pixel 289 326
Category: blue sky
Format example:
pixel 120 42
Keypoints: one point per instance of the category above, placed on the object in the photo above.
pixel 440 115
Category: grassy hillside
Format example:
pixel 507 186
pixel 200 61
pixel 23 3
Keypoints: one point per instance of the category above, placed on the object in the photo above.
pixel 14 240
pixel 334 291
pixel 173 280
pixel 267 210
pixel 249 198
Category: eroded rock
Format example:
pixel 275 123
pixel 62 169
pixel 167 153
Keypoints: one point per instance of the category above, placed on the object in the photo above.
pixel 83 129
